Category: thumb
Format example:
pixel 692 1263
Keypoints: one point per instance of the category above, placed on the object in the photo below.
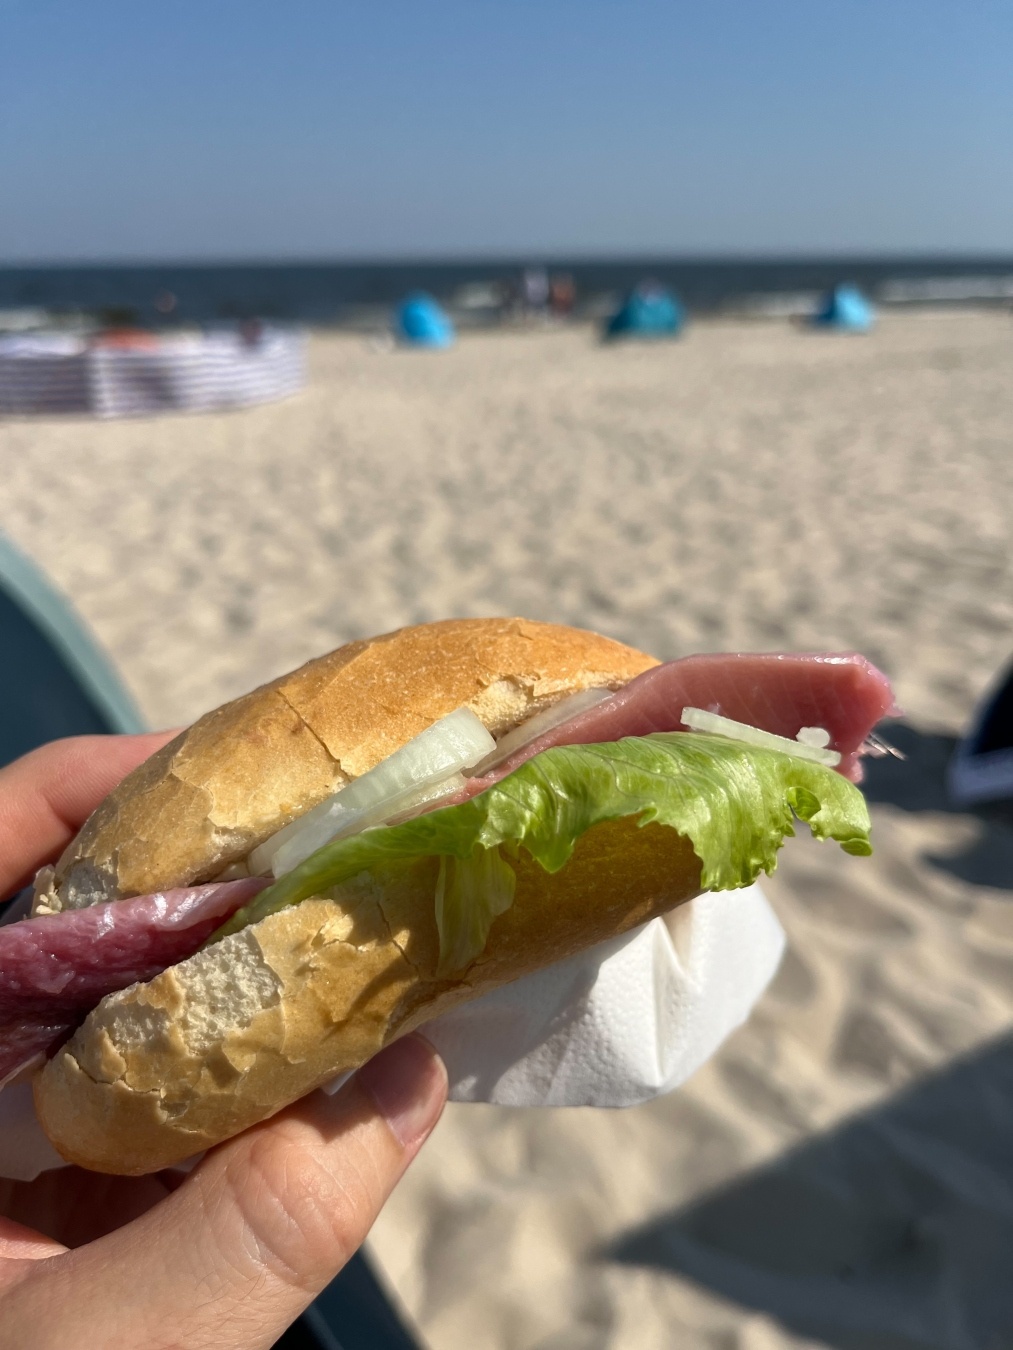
pixel 233 1256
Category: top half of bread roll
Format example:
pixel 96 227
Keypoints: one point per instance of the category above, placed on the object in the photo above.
pixel 243 771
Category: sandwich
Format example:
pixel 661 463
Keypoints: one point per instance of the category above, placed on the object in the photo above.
pixel 340 856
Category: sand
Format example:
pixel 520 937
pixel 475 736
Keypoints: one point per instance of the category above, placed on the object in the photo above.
pixel 840 1173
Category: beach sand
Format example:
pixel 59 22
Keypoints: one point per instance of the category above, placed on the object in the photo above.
pixel 840 1173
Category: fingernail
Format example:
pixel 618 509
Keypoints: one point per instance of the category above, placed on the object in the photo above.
pixel 408 1083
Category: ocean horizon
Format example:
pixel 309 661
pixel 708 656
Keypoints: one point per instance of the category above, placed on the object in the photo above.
pixel 355 291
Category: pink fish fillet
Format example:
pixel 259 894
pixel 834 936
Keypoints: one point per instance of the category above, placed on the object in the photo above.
pixel 54 969
pixel 841 692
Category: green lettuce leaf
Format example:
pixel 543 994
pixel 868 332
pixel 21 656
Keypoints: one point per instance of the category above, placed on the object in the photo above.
pixel 734 802
pixel 470 892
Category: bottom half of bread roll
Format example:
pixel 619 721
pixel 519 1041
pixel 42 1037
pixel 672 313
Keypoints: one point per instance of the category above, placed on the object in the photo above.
pixel 210 1047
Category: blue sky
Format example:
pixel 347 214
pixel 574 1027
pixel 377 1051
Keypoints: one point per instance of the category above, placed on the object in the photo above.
pixel 306 129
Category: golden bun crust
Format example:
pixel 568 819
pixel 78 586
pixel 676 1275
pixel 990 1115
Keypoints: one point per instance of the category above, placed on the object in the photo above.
pixel 240 773
pixel 219 1042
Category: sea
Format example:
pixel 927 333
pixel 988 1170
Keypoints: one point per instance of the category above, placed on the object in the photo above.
pixel 360 293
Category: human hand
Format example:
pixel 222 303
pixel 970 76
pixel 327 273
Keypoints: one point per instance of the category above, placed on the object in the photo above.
pixel 231 1254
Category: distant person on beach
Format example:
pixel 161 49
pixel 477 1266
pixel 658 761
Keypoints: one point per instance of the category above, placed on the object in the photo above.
pixel 251 332
pixel 230 1255
pixel 535 291
pixel 562 295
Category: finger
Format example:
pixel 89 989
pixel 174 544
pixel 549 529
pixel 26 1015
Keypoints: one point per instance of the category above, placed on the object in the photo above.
pixel 248 1241
pixel 71 1206
pixel 46 796
pixel 19 1243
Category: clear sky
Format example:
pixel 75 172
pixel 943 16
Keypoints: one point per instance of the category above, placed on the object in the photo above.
pixel 275 129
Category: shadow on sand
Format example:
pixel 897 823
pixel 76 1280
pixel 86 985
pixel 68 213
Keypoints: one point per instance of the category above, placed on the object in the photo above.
pixel 918 783
pixel 893 1232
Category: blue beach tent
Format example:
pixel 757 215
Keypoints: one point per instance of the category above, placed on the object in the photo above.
pixel 846 309
pixel 421 322
pixel 982 768
pixel 649 311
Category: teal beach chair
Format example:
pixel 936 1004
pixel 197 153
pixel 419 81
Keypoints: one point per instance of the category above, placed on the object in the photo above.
pixel 54 678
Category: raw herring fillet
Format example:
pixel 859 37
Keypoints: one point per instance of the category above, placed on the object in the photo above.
pixel 841 692
pixel 54 969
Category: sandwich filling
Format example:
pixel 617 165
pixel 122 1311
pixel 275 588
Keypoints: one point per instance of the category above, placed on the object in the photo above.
pixel 455 794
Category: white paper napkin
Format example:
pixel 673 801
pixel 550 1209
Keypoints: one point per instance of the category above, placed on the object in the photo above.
pixel 617 1025
pixel 622 1023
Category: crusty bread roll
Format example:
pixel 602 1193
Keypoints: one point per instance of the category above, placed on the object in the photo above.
pixel 243 771
pixel 218 1042
pixel 221 1041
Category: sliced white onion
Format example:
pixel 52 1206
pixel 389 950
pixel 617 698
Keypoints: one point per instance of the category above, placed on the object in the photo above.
pixel 698 719
pixel 425 796
pixel 539 724
pixel 398 783
pixel 818 736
